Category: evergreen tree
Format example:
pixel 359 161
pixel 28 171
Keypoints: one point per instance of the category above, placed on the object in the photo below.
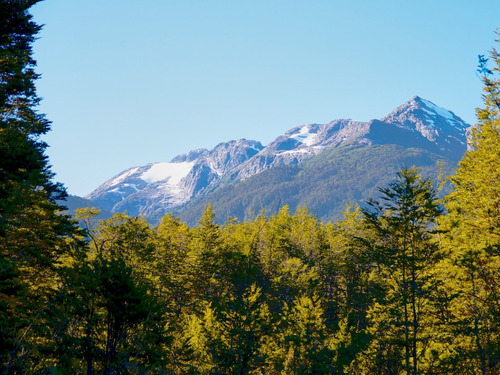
pixel 33 235
pixel 404 221
pixel 473 238
pixel 297 344
pixel 348 285
pixel 170 266
pixel 204 260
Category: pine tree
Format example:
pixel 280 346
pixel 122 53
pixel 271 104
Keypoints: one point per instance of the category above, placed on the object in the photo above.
pixel 404 222
pixel 33 235
pixel 473 238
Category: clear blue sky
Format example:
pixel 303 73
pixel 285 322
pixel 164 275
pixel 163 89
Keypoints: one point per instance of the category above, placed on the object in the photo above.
pixel 128 82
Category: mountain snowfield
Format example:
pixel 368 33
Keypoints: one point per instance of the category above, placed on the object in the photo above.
pixel 158 188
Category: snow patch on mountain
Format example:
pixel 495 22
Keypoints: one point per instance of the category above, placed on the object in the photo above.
pixel 299 151
pixel 440 111
pixel 214 169
pixel 174 172
pixel 122 176
pixel 134 186
pixel 305 135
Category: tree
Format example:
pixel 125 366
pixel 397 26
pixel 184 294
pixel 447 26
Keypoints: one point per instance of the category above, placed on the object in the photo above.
pixel 111 316
pixel 170 266
pixel 227 339
pixel 348 286
pixel 473 238
pixel 24 166
pixel 404 221
pixel 297 344
pixel 34 237
pixel 205 261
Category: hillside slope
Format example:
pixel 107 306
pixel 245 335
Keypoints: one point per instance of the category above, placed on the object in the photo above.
pixel 324 183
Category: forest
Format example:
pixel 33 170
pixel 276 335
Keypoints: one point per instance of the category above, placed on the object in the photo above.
pixel 409 284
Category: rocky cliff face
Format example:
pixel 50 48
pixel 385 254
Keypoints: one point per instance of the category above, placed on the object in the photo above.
pixel 301 143
pixel 445 131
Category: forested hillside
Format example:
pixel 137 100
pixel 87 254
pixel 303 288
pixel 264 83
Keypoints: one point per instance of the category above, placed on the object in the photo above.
pixel 323 183
pixel 407 285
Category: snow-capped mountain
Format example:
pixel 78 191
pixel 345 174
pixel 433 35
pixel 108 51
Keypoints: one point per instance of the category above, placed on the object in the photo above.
pixel 442 128
pixel 158 188
pixel 161 186
pixel 301 143
pixel 417 123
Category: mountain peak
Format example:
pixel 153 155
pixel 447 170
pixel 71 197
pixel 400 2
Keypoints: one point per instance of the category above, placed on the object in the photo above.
pixel 422 115
pixel 437 125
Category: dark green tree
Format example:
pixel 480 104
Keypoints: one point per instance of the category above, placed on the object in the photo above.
pixel 33 235
pixel 348 288
pixel 112 316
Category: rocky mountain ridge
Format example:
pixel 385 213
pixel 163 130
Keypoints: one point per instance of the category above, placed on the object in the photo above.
pixel 162 186
pixel 157 188
pixel 417 122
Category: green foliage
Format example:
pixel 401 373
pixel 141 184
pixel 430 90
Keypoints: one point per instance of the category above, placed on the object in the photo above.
pixel 111 315
pixel 403 222
pixel 228 340
pixel 297 345
pixel 472 241
pixel 35 239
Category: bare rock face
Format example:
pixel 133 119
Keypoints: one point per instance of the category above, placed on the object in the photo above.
pixel 442 128
pixel 157 188
pixel 303 142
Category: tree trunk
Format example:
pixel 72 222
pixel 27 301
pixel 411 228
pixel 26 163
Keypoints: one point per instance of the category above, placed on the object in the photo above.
pixel 405 303
pixel 413 303
pixel 476 327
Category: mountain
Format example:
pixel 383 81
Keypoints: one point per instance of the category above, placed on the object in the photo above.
pixel 156 188
pixel 436 129
pixel 417 123
pixel 319 165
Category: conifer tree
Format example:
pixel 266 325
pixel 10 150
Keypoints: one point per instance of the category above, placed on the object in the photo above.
pixel 170 252
pixel 204 257
pixel 349 288
pixel 32 233
pixel 297 344
pixel 404 222
pixel 473 238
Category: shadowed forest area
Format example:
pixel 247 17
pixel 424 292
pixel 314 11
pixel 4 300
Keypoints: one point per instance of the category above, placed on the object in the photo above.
pixel 409 285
